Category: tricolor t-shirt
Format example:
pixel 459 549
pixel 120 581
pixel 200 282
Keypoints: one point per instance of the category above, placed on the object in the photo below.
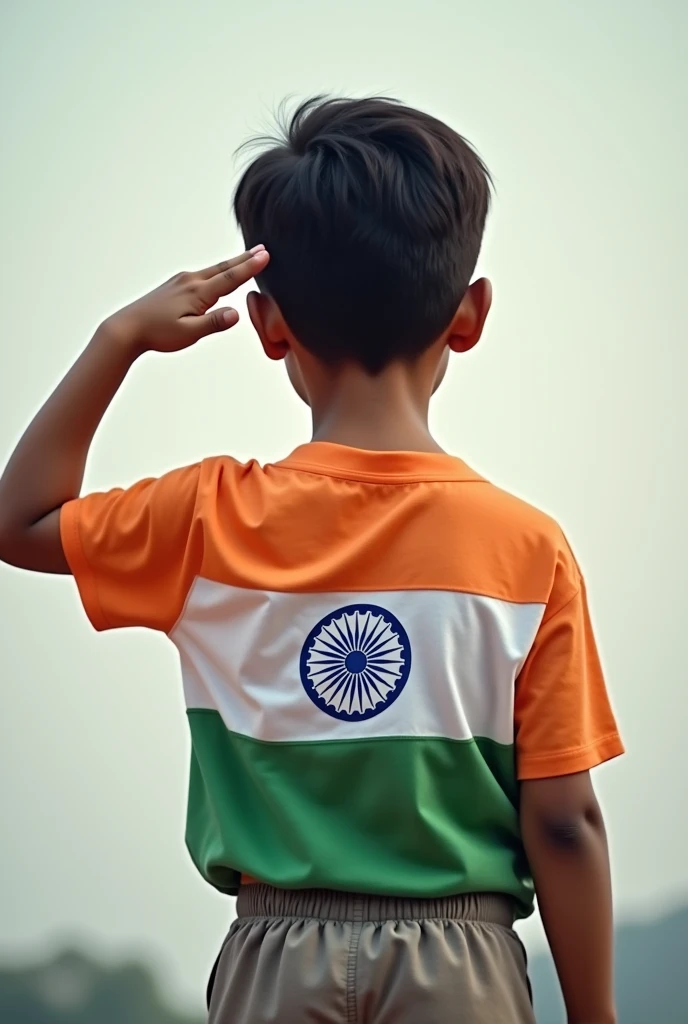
pixel 375 648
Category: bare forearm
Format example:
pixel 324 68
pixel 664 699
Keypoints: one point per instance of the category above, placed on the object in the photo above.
pixel 47 466
pixel 570 865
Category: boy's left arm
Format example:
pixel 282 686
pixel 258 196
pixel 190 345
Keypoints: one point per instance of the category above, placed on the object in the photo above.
pixel 47 467
pixel 564 727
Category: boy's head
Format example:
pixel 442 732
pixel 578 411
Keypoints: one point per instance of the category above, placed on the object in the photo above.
pixel 373 214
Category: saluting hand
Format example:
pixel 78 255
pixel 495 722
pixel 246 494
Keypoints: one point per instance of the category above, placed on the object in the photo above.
pixel 175 315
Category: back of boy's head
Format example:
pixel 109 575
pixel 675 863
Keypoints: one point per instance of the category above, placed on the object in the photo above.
pixel 373 214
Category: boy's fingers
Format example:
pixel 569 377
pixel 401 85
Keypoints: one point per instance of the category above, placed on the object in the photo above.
pixel 212 323
pixel 221 268
pixel 233 277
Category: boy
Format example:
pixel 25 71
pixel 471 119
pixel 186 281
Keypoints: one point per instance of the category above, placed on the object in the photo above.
pixel 392 684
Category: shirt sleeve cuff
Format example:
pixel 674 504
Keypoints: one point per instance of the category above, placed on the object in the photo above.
pixel 80 569
pixel 568 762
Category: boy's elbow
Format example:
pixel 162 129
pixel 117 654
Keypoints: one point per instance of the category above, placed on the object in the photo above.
pixel 7 535
pixel 34 546
pixel 10 532
pixel 562 814
pixel 570 832
pixel 10 545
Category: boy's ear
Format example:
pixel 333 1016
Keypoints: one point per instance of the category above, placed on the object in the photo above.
pixel 269 325
pixel 467 326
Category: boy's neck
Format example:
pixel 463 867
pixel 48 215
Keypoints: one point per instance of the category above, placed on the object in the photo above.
pixel 384 413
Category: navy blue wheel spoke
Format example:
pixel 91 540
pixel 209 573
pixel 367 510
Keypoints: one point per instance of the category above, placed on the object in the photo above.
pixel 334 684
pixel 386 682
pixel 320 679
pixel 344 683
pixel 346 646
pixel 323 663
pixel 379 662
pixel 371 682
pixel 382 645
pixel 334 637
pixel 337 648
pixel 349 634
pixel 376 632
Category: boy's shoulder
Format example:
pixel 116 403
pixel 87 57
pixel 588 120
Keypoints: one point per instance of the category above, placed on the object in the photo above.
pixel 510 508
pixel 492 510
pixel 519 528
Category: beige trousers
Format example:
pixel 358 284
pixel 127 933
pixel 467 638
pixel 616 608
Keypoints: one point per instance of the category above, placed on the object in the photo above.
pixel 320 957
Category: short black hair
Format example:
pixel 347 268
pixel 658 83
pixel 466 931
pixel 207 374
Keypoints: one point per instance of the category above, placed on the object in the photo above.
pixel 373 214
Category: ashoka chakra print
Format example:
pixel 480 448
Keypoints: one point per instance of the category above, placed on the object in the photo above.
pixel 356 662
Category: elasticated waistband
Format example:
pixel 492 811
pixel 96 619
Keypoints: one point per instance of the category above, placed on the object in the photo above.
pixel 258 900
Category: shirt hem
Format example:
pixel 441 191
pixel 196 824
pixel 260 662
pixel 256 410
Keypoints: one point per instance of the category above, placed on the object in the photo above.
pixel 569 762
pixel 79 566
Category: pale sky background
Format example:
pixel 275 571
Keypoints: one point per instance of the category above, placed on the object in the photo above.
pixel 118 123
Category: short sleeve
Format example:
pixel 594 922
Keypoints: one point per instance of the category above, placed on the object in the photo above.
pixel 134 553
pixel 564 722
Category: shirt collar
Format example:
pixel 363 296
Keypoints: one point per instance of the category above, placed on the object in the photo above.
pixel 328 459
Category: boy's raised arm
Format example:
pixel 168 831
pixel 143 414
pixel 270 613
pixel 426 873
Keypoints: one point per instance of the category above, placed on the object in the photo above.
pixel 566 844
pixel 47 466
